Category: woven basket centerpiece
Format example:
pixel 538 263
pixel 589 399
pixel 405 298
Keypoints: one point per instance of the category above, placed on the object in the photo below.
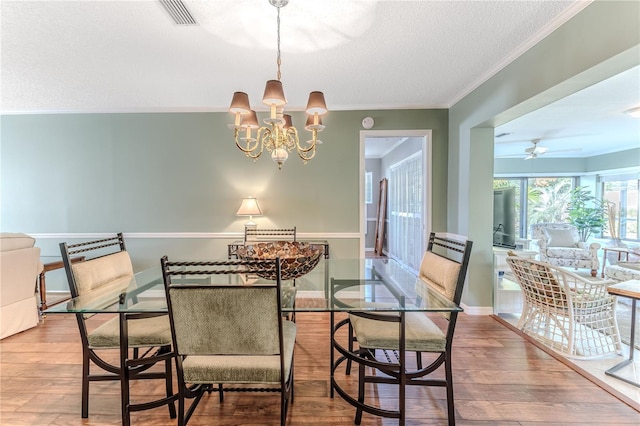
pixel 296 258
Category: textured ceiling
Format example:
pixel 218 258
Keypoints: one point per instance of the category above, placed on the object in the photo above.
pixel 129 56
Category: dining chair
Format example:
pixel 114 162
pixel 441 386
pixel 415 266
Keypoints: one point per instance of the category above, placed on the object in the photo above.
pixel 383 340
pixel 571 314
pixel 147 337
pixel 265 234
pixel 228 331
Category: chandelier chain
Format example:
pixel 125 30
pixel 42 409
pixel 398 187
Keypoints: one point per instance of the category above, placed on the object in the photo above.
pixel 279 61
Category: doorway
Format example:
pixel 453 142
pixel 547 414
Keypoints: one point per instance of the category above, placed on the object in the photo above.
pixel 403 157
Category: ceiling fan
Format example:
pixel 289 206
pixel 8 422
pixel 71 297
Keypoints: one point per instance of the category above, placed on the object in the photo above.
pixel 535 150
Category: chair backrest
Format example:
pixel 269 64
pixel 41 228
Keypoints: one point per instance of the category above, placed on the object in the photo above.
pixel 106 262
pixel 539 284
pixel 223 316
pixel 444 265
pixel 257 234
pixel 546 231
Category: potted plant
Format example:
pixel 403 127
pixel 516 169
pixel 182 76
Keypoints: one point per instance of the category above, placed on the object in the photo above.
pixel 586 213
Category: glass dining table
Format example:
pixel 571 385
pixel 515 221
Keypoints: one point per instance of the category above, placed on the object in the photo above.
pixel 333 286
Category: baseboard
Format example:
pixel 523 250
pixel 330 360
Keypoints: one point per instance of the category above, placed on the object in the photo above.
pixel 477 310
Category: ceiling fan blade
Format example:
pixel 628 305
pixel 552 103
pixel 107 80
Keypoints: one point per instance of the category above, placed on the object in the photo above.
pixel 540 149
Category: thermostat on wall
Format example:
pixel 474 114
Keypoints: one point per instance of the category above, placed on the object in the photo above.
pixel 367 122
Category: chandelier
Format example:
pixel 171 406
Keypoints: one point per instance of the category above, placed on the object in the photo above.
pixel 278 136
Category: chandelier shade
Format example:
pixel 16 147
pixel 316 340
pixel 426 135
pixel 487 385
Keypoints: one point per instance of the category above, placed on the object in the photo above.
pixel 240 103
pixel 274 94
pixel 316 103
pixel 278 136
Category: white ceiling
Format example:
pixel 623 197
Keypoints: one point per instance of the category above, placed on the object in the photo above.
pixel 129 56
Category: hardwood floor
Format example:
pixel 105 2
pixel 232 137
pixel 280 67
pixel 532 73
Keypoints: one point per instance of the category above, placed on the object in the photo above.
pixel 500 379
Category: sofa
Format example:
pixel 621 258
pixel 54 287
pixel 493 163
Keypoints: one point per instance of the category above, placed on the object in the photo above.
pixel 627 270
pixel 19 269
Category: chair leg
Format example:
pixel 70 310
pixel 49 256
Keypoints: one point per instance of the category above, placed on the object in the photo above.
pixel 169 386
pixel 181 397
pixel 220 392
pixel 85 383
pixel 361 373
pixel 350 346
pixel 451 413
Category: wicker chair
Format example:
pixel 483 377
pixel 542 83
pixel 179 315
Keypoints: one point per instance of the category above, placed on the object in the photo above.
pixel 443 268
pixel 107 265
pixel 228 333
pixel 566 312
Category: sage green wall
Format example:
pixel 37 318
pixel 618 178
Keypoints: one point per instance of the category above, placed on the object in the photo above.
pixel 161 173
pixel 574 56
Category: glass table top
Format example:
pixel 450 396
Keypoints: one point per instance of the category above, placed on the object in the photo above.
pixel 339 285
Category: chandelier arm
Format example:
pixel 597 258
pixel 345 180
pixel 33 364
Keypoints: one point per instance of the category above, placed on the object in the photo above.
pixel 312 145
pixel 303 155
pixel 249 148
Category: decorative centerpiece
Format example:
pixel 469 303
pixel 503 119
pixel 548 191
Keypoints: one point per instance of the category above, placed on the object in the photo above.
pixel 296 258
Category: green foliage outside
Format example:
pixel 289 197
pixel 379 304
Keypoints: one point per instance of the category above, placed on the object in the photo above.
pixel 586 212
pixel 552 200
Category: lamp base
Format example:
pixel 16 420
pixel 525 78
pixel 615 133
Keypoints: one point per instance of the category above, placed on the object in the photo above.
pixel 251 225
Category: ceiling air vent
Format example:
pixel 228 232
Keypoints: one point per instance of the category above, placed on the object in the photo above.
pixel 178 12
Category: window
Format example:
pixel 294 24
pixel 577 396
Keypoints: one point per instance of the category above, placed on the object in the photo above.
pixel 541 199
pixel 621 192
pixel 368 187
pixel 405 211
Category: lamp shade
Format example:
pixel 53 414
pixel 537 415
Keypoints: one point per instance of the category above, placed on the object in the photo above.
pixel 316 103
pixel 287 121
pixel 250 120
pixel 274 93
pixel 249 207
pixel 240 103
pixel 310 124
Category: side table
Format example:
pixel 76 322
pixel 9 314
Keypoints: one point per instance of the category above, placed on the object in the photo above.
pixel 42 285
pixel 619 250
pixel 630 289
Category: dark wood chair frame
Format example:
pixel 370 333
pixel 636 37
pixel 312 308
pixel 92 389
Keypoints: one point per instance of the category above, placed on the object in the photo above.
pixel 196 392
pixel 398 371
pixel 265 234
pixel 135 364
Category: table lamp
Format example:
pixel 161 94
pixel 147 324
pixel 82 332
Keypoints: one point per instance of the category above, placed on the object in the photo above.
pixel 249 207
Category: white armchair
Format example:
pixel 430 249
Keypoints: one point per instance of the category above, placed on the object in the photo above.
pixel 560 245
pixel 19 269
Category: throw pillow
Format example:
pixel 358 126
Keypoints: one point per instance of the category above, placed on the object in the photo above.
pixel 560 238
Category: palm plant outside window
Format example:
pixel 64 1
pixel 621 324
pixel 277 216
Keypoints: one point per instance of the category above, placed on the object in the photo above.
pixel 546 199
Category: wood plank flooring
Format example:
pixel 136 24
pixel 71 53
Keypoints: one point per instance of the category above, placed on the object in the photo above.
pixel 500 379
